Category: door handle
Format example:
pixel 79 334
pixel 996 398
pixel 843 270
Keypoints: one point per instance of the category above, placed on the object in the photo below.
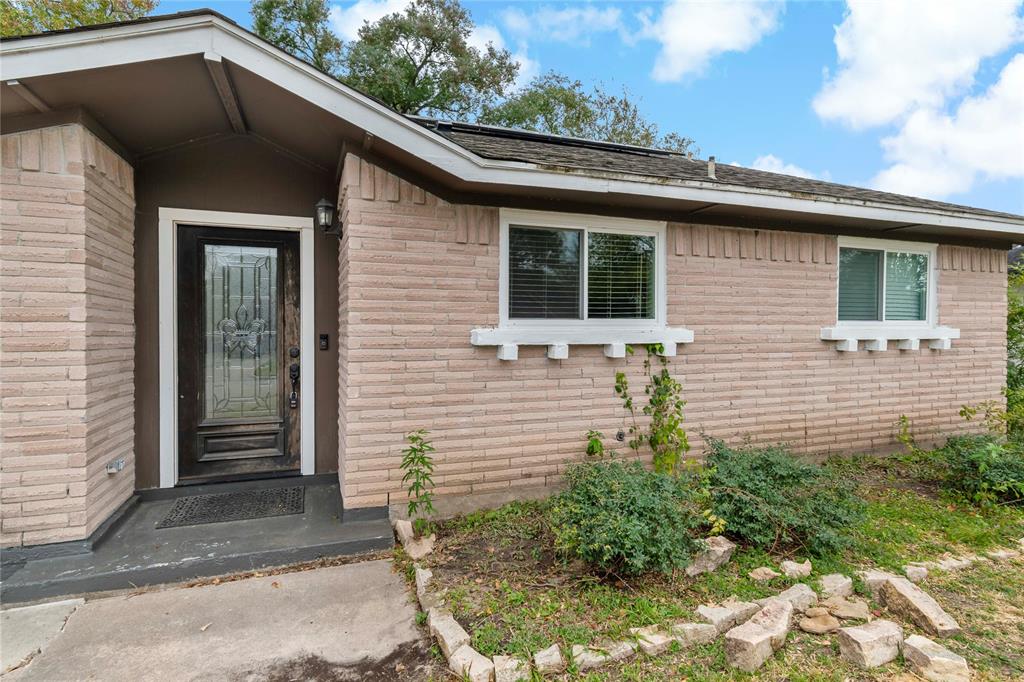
pixel 293 374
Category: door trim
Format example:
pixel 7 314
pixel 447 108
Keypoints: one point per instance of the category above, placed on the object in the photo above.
pixel 168 303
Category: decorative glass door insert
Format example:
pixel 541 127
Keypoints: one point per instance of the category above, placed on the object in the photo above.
pixel 240 330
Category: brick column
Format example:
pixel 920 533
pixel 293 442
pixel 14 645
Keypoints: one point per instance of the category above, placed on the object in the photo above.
pixel 66 334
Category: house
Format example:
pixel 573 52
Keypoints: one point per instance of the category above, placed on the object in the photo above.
pixel 174 314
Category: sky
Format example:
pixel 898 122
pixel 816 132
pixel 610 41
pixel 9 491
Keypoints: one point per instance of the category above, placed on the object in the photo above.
pixel 920 97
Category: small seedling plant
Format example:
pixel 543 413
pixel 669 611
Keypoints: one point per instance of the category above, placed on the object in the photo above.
pixel 418 465
pixel 665 433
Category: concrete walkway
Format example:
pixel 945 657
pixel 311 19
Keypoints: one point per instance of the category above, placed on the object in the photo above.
pixel 343 622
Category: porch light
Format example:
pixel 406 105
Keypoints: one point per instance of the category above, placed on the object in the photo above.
pixel 324 212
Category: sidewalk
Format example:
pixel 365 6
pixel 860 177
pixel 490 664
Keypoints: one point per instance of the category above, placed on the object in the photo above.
pixel 344 622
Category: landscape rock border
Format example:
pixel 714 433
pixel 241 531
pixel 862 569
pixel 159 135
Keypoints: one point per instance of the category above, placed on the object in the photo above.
pixel 754 631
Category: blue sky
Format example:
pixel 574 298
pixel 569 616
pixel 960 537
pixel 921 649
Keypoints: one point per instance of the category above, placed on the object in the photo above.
pixel 922 97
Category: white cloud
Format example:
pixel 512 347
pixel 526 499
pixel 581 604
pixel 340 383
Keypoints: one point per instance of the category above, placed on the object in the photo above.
pixel 773 164
pixel 899 55
pixel 936 154
pixel 488 34
pixel 347 20
pixel 574 24
pixel 693 33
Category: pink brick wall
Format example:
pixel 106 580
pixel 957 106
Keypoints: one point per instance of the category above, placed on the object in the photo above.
pixel 66 334
pixel 417 274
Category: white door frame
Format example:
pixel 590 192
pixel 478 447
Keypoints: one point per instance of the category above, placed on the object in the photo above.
pixel 170 218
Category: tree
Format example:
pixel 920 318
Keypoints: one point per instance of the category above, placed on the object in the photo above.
pixel 419 61
pixel 24 17
pixel 300 27
pixel 556 104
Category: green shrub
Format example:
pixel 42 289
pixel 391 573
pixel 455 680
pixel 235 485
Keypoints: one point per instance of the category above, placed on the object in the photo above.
pixel 772 500
pixel 983 469
pixel 620 518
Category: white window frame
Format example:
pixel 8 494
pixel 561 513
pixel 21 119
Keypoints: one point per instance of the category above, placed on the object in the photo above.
pixel 585 225
pixel 559 334
pixel 877 333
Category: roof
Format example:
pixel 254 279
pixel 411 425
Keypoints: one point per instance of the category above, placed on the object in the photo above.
pixel 543 149
pixel 491 163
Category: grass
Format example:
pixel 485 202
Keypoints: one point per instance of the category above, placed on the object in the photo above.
pixel 515 596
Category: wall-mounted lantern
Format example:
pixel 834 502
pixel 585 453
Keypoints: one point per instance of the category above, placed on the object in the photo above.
pixel 326 218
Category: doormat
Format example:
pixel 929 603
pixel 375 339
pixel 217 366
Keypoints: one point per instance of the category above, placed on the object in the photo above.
pixel 237 506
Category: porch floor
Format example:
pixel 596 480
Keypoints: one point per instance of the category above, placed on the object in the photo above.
pixel 136 553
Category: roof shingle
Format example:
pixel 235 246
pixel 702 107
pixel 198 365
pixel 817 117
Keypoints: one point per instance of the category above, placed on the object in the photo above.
pixel 573 153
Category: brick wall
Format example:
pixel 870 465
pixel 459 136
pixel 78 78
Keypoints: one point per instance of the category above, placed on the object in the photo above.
pixel 66 334
pixel 417 274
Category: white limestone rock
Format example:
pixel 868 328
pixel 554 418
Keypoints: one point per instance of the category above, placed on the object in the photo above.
pixel 416 548
pixel 933 661
pixel 874 579
pixel 915 572
pixel 590 657
pixel 652 639
pixel 468 663
pixel 953 563
pixel 446 630
pixel 835 585
pixel 906 599
pixel 692 634
pixel 748 646
pixel 818 621
pixel 718 551
pixel 800 596
pixel 549 661
pixel 1002 554
pixel 847 609
pixel 427 599
pixel 763 574
pixel 730 613
pixel 511 669
pixel 872 644
pixel 794 570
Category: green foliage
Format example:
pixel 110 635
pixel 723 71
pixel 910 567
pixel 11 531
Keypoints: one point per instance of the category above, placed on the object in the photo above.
pixel 556 104
pixel 301 27
pixel 620 518
pixel 983 469
pixel 905 436
pixel 419 61
pixel 418 465
pixel 665 434
pixel 595 444
pixel 771 500
pixel 23 17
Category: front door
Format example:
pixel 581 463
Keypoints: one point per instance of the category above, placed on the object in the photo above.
pixel 238 354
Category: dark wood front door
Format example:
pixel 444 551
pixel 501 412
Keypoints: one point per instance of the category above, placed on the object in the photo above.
pixel 238 353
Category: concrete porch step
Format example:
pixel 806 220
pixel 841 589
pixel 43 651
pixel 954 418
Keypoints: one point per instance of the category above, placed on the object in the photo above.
pixel 136 554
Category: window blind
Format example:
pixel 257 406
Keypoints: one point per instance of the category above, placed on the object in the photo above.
pixel 860 288
pixel 906 286
pixel 544 273
pixel 620 276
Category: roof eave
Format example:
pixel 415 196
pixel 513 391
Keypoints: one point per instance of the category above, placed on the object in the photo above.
pixel 202 33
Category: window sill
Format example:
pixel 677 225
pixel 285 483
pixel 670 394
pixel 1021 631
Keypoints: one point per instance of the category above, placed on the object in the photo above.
pixel 558 339
pixel 877 335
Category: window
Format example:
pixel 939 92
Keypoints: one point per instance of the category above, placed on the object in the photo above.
pixel 595 270
pixel 880 284
pixel 580 280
